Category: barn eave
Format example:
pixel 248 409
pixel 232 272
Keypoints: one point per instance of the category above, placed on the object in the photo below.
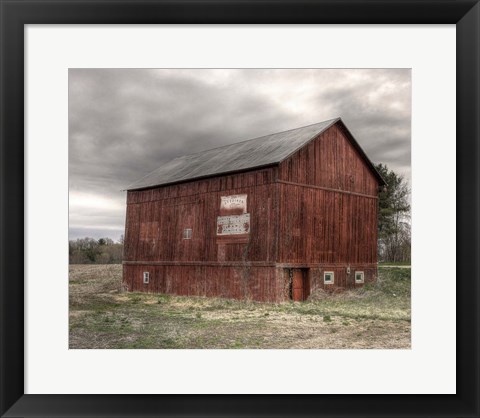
pixel 207 176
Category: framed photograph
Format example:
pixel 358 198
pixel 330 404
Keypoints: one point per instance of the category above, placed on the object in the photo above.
pixel 167 169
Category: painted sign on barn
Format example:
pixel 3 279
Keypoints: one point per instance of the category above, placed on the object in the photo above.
pixel 233 224
pixel 233 205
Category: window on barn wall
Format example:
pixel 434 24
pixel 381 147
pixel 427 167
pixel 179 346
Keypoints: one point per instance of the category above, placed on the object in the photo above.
pixel 359 277
pixel 146 277
pixel 187 233
pixel 328 277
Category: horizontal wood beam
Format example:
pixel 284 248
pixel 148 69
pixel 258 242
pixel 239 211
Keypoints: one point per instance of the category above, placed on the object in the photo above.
pixel 246 264
pixel 202 263
pixel 328 189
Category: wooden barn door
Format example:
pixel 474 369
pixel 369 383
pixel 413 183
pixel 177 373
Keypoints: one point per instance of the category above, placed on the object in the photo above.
pixel 300 288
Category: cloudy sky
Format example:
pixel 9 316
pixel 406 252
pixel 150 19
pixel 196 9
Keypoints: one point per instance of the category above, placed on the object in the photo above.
pixel 123 123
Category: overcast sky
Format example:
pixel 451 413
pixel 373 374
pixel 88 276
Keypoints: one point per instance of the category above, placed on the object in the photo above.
pixel 125 123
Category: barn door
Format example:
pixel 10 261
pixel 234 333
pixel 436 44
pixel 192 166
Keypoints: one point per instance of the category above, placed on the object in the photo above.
pixel 298 285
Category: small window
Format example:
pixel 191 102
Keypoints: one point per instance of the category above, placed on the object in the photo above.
pixel 187 233
pixel 146 277
pixel 328 277
pixel 359 277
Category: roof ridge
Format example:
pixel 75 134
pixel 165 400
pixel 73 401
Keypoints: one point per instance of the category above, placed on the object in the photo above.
pixel 257 137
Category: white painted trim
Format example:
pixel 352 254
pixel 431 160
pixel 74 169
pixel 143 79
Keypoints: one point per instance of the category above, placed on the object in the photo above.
pixel 146 277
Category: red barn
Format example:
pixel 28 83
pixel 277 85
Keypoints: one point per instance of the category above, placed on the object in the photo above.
pixel 270 219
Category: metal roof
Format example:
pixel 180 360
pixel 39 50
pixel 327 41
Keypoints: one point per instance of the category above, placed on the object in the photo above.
pixel 253 153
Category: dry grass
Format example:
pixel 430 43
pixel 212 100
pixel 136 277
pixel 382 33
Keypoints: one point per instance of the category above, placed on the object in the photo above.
pixel 103 316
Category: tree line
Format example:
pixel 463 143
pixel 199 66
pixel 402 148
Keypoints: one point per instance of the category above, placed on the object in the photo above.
pixel 394 231
pixel 92 251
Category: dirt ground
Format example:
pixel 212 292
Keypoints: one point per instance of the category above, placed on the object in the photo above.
pixel 103 316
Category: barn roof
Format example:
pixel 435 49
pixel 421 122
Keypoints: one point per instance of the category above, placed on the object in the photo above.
pixel 253 153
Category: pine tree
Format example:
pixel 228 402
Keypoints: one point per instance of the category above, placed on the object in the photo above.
pixel 393 216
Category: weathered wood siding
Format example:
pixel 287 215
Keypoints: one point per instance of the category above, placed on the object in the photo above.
pixel 328 210
pixel 156 219
pixel 330 161
pixel 315 211
pixel 320 226
pixel 233 282
pixel 241 267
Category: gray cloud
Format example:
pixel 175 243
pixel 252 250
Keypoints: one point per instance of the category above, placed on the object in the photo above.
pixel 123 123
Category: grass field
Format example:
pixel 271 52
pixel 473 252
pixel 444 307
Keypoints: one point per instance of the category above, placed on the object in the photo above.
pixel 102 316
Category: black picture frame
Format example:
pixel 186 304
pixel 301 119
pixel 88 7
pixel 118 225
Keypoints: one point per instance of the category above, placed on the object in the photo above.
pixel 15 14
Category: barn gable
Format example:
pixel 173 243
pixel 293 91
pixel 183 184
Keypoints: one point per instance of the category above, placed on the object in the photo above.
pixel 334 160
pixel 251 154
